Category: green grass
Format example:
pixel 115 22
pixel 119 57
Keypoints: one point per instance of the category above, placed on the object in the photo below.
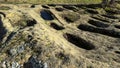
pixel 4 8
pixel 55 1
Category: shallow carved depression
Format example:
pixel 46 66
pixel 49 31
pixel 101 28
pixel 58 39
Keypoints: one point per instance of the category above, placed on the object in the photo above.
pixel 117 26
pixel 113 11
pixel 93 6
pixel 3 31
pixel 99 18
pixel 57 27
pixel 46 15
pixel 31 22
pixel 59 9
pixel 79 42
pixel 1 13
pixel 69 7
pixel 107 32
pixel 52 5
pixel 45 6
pixel 32 6
pixel 110 16
pixel 92 11
pixel 98 24
pixel 117 52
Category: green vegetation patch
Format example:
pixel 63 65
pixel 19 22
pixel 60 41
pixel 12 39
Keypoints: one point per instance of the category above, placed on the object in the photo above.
pixel 71 16
pixel 4 8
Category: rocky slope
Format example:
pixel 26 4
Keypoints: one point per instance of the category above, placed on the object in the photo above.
pixel 59 36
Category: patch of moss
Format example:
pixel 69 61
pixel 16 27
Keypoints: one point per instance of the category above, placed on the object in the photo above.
pixel 108 8
pixel 101 11
pixel 71 16
pixel 4 8
pixel 112 10
pixel 24 22
pixel 118 6
pixel 2 56
pixel 63 57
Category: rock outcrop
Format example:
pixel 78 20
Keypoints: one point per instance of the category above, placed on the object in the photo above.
pixel 59 36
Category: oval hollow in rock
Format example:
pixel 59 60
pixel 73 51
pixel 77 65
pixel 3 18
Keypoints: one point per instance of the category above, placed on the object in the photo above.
pixel 32 6
pixel 117 52
pixel 57 27
pixel 45 6
pixel 31 22
pixel 52 5
pixel 92 11
pixel 79 42
pixel 59 9
pixel 69 7
pixel 98 24
pixel 100 19
pixel 102 31
pixel 1 13
pixel 3 30
pixel 117 26
pixel 110 16
pixel 46 15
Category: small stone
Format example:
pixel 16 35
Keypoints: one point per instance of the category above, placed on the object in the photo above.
pixel 45 65
pixel 12 52
pixel 4 64
pixel 20 49
pixel 15 65
pixel 34 63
